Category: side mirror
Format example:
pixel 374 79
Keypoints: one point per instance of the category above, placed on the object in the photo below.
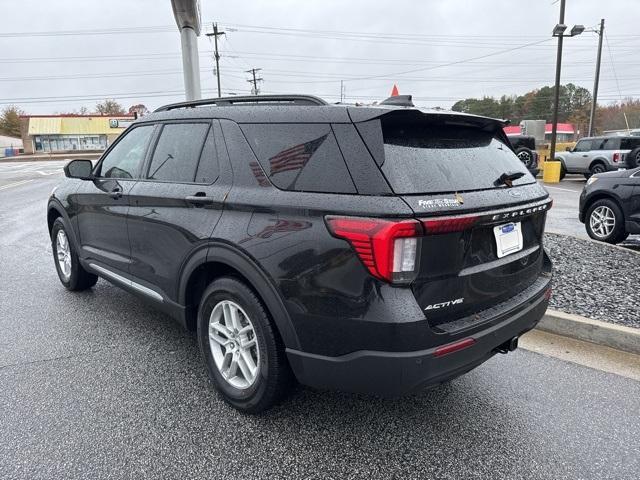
pixel 569 149
pixel 79 169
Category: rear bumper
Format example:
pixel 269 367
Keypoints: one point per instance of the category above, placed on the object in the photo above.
pixel 390 374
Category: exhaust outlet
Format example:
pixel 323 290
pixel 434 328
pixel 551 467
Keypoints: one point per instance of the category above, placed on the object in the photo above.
pixel 508 346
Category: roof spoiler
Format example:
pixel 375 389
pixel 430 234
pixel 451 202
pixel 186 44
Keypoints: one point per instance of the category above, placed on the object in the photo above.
pixel 399 101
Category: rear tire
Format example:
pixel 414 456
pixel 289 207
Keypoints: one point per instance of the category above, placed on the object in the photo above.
pixel 633 159
pixel 605 222
pixel 71 274
pixel 597 168
pixel 222 342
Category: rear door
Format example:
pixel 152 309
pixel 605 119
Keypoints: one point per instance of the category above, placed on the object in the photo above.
pixel 178 202
pixel 483 239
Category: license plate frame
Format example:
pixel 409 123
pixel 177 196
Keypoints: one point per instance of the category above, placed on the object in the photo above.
pixel 508 238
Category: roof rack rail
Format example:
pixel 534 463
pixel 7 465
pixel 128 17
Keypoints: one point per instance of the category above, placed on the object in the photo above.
pixel 227 101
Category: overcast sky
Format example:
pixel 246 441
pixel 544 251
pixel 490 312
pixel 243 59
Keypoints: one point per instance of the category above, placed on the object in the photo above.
pixel 49 63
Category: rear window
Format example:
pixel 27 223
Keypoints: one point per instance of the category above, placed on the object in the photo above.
pixel 423 157
pixel 610 143
pixel 301 157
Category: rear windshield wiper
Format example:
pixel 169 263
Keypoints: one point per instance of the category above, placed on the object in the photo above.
pixel 507 178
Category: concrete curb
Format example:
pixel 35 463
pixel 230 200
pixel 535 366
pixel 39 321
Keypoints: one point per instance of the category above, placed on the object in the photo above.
pixel 611 335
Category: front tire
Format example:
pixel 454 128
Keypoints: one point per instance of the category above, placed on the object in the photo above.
pixel 243 352
pixel 605 222
pixel 71 274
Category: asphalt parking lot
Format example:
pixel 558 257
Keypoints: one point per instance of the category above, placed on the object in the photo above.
pixel 99 385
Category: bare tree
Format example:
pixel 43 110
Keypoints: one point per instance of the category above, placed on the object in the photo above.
pixel 109 107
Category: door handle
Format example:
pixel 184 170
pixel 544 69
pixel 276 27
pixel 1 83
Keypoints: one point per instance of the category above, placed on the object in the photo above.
pixel 116 193
pixel 585 156
pixel 199 199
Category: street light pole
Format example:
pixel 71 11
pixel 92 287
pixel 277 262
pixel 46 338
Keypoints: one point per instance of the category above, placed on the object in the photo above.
pixel 187 14
pixel 594 101
pixel 554 123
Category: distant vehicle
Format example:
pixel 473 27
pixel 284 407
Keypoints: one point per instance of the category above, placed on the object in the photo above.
pixel 370 249
pixel 596 155
pixel 525 148
pixel 610 205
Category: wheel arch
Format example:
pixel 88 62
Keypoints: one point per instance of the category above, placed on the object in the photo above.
pixel 596 161
pixel 220 260
pixel 56 210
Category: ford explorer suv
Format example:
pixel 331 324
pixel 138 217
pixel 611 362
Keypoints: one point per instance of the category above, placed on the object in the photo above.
pixel 597 155
pixel 378 250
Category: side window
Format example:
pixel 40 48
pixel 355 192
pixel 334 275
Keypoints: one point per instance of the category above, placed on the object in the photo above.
pixel 610 143
pixel 177 152
pixel 208 168
pixel 583 146
pixel 125 158
pixel 630 143
pixel 301 157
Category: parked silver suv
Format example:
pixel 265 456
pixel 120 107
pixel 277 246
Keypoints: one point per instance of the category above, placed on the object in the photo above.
pixel 597 154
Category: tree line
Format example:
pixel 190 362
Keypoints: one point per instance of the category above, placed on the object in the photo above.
pixel 574 107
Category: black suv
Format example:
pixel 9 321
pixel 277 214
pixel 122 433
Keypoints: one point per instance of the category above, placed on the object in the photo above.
pixel 368 249
pixel 610 205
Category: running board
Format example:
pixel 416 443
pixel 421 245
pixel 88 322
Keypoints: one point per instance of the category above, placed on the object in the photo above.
pixel 129 283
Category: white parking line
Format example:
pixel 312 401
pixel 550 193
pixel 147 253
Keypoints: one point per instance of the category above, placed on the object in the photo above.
pixel 14 184
pixel 563 189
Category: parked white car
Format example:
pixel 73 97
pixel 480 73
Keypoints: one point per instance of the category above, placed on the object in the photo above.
pixel 597 155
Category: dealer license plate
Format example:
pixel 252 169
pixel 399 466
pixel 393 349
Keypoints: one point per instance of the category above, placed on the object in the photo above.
pixel 508 238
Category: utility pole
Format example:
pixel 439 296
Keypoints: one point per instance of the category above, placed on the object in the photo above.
pixel 592 116
pixel 254 80
pixel 216 54
pixel 341 91
pixel 554 124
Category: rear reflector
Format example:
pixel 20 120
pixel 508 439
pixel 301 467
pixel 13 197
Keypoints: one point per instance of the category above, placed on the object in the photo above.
pixel 388 248
pixel 547 294
pixel 453 347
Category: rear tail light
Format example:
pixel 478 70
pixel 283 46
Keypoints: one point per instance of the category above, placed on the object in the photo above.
pixel 616 157
pixel 448 224
pixel 388 248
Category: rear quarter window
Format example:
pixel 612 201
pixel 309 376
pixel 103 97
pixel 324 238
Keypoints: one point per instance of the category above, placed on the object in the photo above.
pixel 424 157
pixel 300 157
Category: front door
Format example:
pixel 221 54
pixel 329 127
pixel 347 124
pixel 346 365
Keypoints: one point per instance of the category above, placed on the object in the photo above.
pixel 179 200
pixel 102 204
pixel 577 161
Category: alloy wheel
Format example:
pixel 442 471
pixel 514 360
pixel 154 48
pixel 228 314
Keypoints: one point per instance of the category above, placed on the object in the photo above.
pixel 602 221
pixel 234 345
pixel 63 252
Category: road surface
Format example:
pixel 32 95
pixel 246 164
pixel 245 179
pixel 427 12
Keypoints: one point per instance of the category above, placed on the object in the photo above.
pixel 100 385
